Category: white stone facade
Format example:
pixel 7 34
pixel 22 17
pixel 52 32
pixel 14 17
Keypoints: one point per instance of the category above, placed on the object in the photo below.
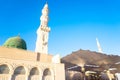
pixel 43 32
pixel 25 70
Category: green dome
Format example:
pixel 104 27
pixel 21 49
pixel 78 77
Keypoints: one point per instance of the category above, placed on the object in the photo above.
pixel 15 42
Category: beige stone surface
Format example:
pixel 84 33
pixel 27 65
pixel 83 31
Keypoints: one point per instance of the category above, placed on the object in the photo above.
pixel 59 72
pixel 15 59
pixel 19 54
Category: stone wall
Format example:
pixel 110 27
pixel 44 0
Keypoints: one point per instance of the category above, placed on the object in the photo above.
pixel 19 54
pixel 28 70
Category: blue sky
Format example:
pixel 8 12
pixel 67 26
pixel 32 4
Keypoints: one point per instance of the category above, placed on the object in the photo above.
pixel 74 24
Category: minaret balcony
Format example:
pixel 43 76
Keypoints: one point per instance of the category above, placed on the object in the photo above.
pixel 45 28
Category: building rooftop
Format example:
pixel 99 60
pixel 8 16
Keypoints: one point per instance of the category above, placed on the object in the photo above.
pixel 15 42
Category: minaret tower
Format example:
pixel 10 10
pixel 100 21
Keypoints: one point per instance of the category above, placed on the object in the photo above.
pixel 99 47
pixel 43 32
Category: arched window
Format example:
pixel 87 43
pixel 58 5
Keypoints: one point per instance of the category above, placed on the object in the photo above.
pixel 19 73
pixel 34 74
pixel 47 75
pixel 19 70
pixel 34 71
pixel 4 69
pixel 46 72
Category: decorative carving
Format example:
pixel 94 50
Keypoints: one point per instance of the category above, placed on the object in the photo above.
pixel 14 65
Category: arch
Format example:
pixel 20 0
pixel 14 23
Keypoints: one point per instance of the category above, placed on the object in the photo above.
pixel 5 72
pixel 48 74
pixel 34 74
pixel 9 66
pixel 19 73
pixel 34 71
pixel 19 70
pixel 4 69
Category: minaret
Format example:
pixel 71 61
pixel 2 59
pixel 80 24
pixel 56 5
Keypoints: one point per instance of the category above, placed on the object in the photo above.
pixel 43 32
pixel 99 47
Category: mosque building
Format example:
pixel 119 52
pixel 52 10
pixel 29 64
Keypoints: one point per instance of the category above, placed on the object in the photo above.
pixel 17 63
